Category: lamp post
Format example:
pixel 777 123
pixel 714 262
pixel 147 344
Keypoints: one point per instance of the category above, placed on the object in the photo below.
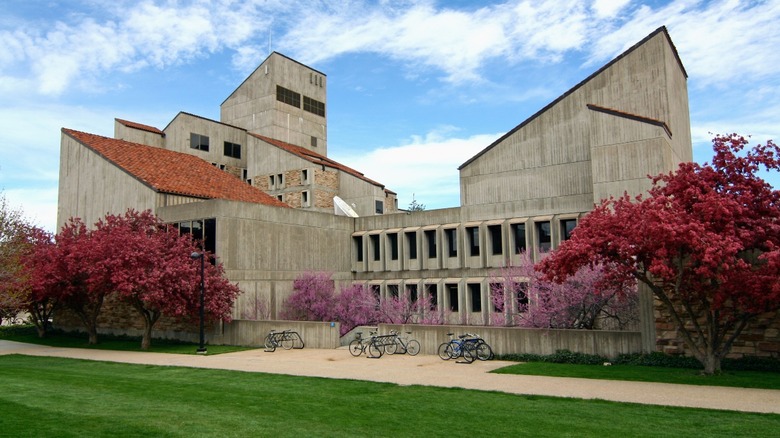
pixel 199 255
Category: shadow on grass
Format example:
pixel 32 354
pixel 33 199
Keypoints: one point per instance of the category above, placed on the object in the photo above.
pixel 57 338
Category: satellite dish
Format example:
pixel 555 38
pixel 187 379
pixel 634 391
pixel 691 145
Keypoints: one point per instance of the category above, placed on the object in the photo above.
pixel 342 208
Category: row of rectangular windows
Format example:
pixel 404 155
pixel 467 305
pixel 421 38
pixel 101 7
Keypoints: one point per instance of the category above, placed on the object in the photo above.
pixel 451 296
pixel 472 244
pixel 201 143
pixel 293 98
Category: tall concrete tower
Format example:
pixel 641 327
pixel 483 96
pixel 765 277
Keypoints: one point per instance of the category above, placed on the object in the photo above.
pixel 282 99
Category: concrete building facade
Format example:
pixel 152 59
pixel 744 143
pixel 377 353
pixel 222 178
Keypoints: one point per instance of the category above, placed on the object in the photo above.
pixel 274 218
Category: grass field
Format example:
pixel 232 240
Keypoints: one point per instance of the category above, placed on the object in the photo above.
pixel 43 396
pixel 685 376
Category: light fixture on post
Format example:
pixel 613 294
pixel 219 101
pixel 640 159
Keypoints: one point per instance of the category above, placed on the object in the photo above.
pixel 199 255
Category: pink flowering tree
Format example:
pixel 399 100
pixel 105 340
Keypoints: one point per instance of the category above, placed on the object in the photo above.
pixel 522 296
pixel 151 269
pixel 356 305
pixel 312 298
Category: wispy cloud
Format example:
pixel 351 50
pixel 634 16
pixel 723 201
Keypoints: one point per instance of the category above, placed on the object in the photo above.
pixel 426 166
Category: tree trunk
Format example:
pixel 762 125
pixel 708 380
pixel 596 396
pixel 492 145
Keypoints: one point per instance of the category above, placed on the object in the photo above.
pixel 711 364
pixel 146 341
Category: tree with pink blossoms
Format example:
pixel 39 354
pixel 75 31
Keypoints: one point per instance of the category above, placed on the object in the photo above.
pixel 356 305
pixel 151 269
pixel 587 300
pixel 312 298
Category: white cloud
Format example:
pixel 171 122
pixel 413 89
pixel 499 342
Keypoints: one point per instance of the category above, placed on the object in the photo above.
pixel 38 206
pixel 609 8
pixel 426 166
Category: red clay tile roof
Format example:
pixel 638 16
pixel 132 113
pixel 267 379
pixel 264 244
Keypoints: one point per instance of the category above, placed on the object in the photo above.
pixel 173 172
pixel 315 158
pixel 140 126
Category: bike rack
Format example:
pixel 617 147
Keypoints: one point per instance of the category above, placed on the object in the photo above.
pixel 276 338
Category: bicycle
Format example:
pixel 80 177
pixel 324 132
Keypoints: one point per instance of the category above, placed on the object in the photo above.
pixel 455 348
pixel 285 339
pixel 403 345
pixel 360 345
pixel 482 349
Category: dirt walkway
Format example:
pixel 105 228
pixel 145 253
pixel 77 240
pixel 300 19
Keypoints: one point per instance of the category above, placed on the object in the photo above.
pixel 432 371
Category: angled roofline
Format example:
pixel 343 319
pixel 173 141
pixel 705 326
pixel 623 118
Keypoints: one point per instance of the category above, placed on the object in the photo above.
pixel 261 64
pixel 241 195
pixel 661 30
pixel 202 118
pixel 318 159
pixel 140 126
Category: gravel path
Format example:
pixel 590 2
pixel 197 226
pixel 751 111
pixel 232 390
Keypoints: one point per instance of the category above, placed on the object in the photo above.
pixel 432 371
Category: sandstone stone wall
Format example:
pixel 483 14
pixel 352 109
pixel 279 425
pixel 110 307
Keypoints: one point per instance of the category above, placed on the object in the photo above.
pixel 761 338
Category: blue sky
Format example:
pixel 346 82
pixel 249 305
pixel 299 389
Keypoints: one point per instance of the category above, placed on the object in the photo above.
pixel 415 88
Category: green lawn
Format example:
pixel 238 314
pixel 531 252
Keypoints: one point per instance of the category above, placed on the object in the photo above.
pixel 29 335
pixel 686 376
pixel 44 396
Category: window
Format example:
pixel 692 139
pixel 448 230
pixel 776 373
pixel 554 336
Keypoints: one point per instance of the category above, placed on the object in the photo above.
pixel 452 242
pixel 280 197
pixel 379 206
pixel 305 199
pixel 518 236
pixel 567 226
pixel 358 245
pixel 432 292
pixel 475 291
pixel 412 289
pixel 522 296
pixel 473 236
pixel 313 106
pixel 271 181
pixel 203 230
pixel 375 246
pixel 288 96
pixel 430 238
pixel 232 150
pixel 245 175
pixel 305 176
pixel 392 240
pixel 494 231
pixel 313 141
pixel 199 142
pixel 280 181
pixel 411 240
pixel 543 237
pixel 392 290
pixel 452 294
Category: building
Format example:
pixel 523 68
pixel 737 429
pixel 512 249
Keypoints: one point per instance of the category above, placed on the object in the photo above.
pixel 258 186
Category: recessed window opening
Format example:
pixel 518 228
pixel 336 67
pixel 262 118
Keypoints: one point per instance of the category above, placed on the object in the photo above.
pixel 305 198
pixel 475 292
pixel 452 295
pixel 305 176
pixel 452 241
pixel 392 290
pixel 543 236
pixel 518 237
pixel 473 240
pixel 375 246
pixel 432 292
pixel 379 207
pixel 357 244
pixel 411 240
pixel 392 240
pixel 430 239
pixel 232 150
pixel 494 231
pixel 288 96
pixel 412 289
pixel 567 227
pixel 199 142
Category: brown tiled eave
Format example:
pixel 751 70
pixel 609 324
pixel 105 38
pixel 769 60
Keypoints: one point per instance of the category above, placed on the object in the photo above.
pixel 172 172
pixel 141 127
pixel 315 158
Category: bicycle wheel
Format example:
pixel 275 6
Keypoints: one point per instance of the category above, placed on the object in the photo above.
pixel 453 350
pixel 375 351
pixel 413 347
pixel 270 345
pixel 391 348
pixel 287 343
pixel 469 353
pixel 442 351
pixel 355 348
pixel 484 352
